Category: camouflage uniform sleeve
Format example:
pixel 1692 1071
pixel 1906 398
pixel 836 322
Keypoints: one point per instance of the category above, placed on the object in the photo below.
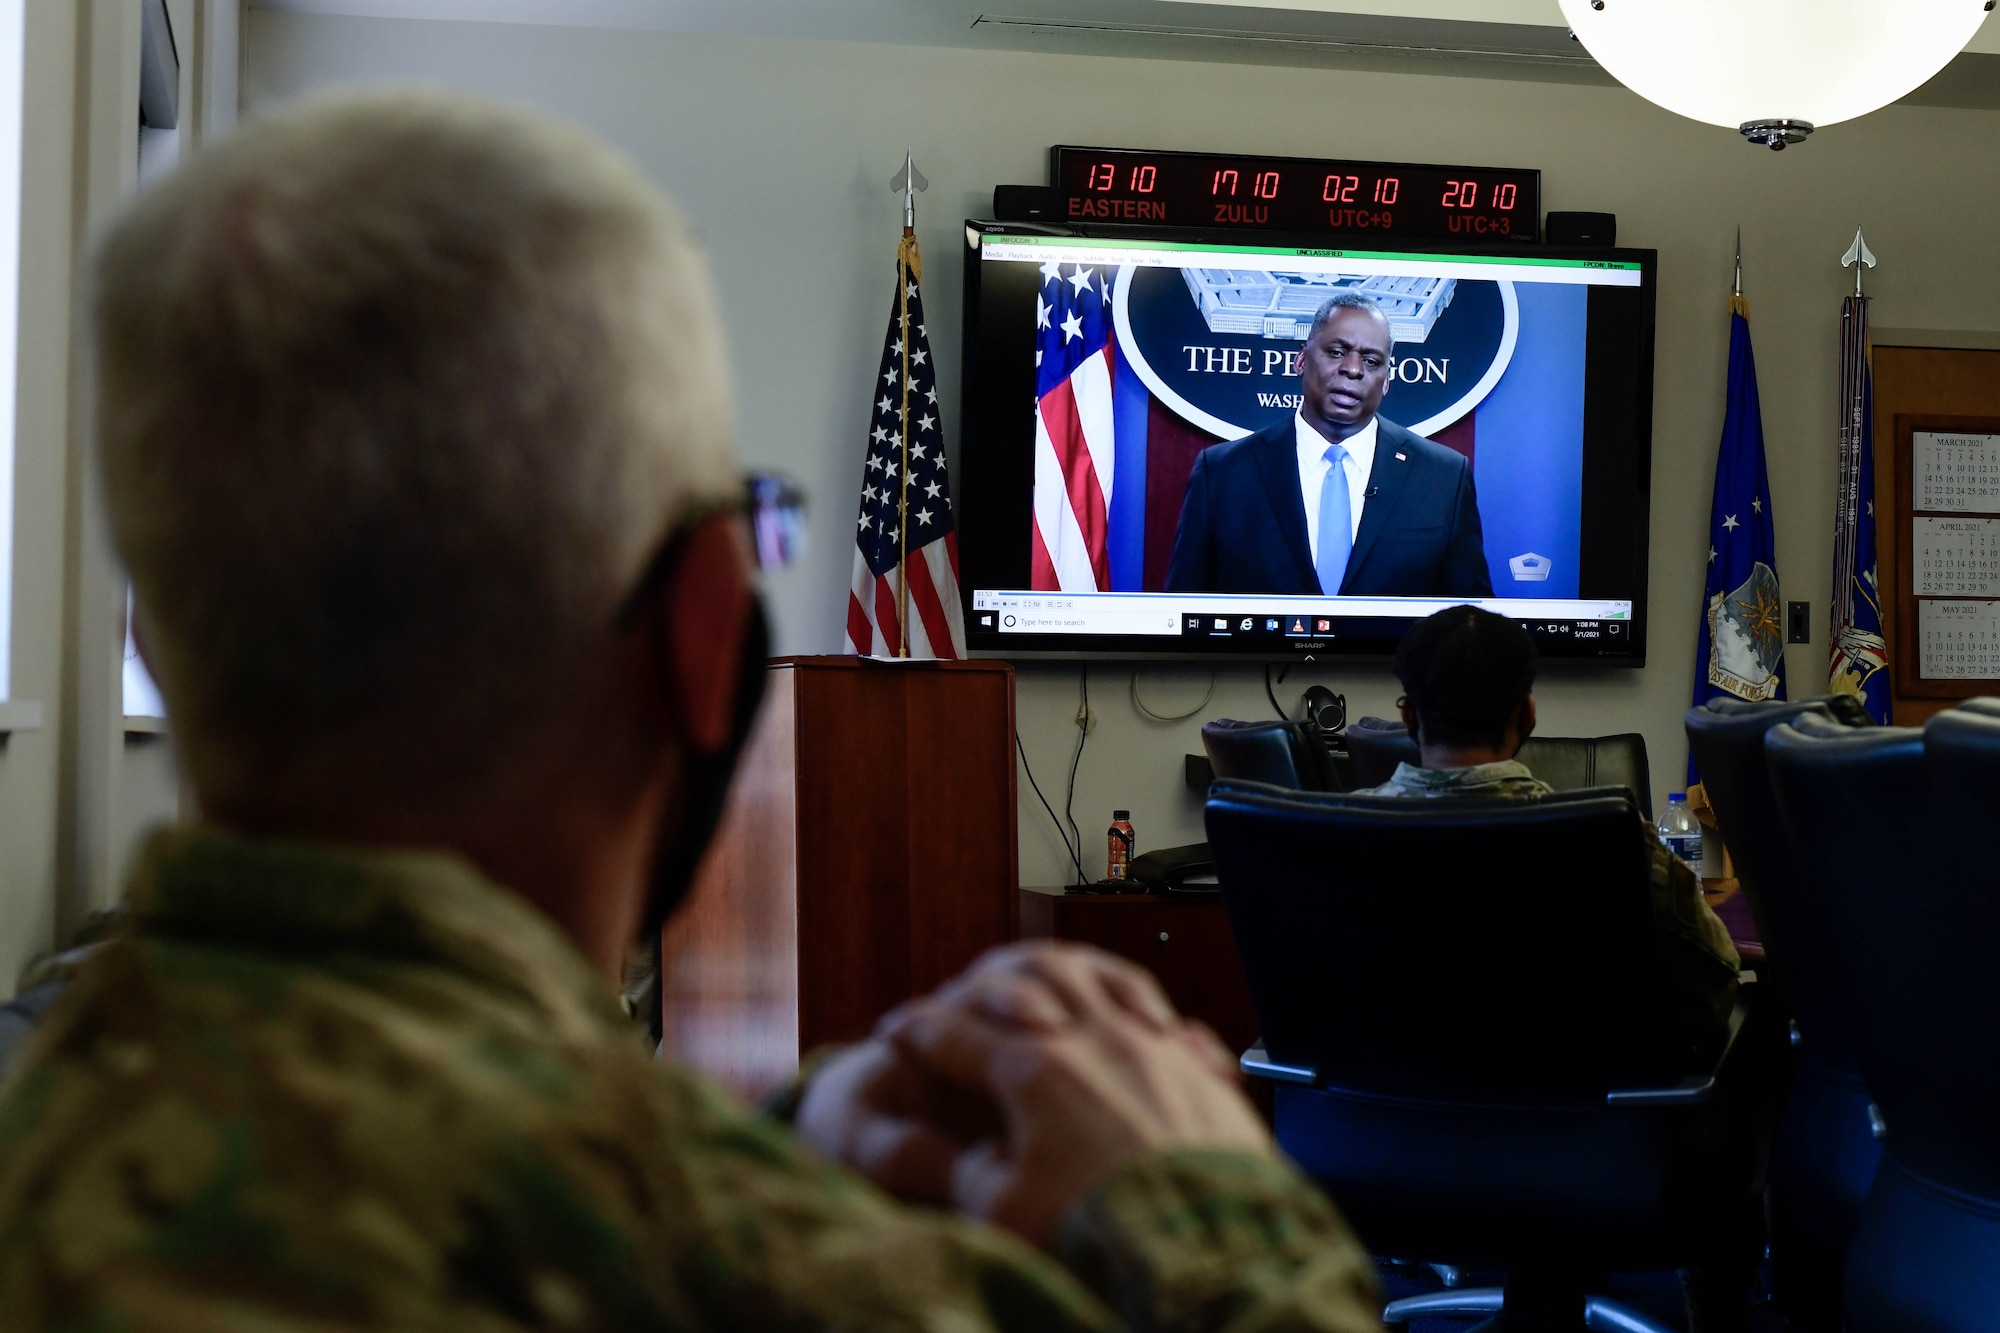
pixel 1195 1241
pixel 1201 1241
pixel 1220 1241
pixel 792 1241
pixel 1699 955
pixel 1209 1241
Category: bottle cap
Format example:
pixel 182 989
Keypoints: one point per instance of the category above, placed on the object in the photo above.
pixel 1677 798
pixel 1120 814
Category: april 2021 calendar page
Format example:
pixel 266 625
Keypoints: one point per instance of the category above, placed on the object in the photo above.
pixel 1956 557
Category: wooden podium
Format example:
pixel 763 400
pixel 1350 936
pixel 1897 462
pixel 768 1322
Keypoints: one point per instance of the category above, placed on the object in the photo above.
pixel 868 853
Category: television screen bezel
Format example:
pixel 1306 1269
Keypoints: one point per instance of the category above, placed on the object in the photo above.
pixel 1134 648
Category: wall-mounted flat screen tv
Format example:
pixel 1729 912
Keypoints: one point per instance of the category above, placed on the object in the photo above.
pixel 1190 448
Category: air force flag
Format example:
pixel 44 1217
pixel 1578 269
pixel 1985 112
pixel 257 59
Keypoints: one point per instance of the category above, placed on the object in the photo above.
pixel 1741 647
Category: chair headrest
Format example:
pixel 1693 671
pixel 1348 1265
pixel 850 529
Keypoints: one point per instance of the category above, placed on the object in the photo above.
pixel 1967 726
pixel 1279 752
pixel 1758 714
pixel 1580 803
pixel 1811 743
pixel 1229 726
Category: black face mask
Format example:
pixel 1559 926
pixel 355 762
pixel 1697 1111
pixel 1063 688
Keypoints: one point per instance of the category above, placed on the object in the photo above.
pixel 705 783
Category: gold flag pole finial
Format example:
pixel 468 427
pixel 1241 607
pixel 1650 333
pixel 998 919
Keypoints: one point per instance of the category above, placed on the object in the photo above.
pixel 909 269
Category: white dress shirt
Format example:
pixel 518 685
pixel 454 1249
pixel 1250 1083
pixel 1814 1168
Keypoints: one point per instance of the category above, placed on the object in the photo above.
pixel 1312 447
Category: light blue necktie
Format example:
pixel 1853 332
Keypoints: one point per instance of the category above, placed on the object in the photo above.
pixel 1336 523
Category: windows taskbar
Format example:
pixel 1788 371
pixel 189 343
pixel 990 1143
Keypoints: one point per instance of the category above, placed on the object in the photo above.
pixel 1273 625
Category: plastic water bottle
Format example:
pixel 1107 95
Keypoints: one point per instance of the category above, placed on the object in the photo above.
pixel 1681 831
pixel 1119 841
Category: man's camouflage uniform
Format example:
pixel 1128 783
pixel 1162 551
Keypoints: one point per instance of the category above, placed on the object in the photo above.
pixel 319 1090
pixel 1694 944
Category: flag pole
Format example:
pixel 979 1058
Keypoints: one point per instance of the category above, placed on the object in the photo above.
pixel 909 266
pixel 903 257
pixel 1858 651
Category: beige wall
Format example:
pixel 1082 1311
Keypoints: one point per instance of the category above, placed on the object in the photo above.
pixel 28 759
pixel 74 793
pixel 781 152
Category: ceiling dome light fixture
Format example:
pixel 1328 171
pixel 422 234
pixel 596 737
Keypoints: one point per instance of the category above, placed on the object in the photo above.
pixel 1773 69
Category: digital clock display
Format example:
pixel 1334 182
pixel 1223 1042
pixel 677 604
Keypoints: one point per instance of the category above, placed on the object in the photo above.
pixel 1296 194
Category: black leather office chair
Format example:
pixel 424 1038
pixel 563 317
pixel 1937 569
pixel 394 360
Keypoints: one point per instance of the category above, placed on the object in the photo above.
pixel 1914 928
pixel 1470 1089
pixel 19 1018
pixel 1567 763
pixel 44 980
pixel 1824 1151
pixel 1959 755
pixel 1284 754
pixel 1985 705
pixel 1375 745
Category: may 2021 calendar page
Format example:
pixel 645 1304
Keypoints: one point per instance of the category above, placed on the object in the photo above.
pixel 1959 639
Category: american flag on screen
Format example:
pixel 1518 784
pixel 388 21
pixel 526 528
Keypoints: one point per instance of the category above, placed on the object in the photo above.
pixel 1075 431
pixel 904 599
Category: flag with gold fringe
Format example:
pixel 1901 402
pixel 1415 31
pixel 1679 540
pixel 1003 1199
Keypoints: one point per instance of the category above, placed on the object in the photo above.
pixel 903 600
pixel 1740 646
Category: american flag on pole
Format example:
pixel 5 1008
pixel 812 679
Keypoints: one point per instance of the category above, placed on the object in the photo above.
pixel 904 599
pixel 1076 438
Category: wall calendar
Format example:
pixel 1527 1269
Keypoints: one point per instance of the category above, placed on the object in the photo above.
pixel 1948 601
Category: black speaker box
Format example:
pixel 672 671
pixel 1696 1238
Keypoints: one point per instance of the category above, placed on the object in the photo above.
pixel 1582 228
pixel 1027 203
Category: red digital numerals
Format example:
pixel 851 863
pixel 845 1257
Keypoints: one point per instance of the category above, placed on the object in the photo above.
pixel 1104 176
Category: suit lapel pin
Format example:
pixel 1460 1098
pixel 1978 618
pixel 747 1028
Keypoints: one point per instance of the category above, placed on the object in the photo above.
pixel 1402 458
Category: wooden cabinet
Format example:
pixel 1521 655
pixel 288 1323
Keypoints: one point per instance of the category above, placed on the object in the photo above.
pixel 1184 941
pixel 867 855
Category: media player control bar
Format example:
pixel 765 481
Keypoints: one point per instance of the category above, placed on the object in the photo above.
pixel 1213 615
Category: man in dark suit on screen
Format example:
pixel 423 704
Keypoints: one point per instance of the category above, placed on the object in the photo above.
pixel 1337 499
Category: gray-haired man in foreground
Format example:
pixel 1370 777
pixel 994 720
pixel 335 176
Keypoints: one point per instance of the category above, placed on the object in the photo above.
pixel 415 433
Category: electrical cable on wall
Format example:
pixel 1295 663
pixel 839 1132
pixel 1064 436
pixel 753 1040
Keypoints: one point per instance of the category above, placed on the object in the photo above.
pixel 1214 677
pixel 1272 694
pixel 1075 852
pixel 1082 735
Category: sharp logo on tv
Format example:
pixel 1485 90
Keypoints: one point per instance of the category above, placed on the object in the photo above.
pixel 1220 346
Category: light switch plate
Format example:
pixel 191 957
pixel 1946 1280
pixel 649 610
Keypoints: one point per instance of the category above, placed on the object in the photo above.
pixel 1798 622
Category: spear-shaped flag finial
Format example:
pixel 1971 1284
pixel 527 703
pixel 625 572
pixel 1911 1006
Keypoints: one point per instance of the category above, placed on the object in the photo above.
pixel 907 182
pixel 1858 257
pixel 1737 289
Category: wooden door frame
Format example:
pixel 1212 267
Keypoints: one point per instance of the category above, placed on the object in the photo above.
pixel 1892 531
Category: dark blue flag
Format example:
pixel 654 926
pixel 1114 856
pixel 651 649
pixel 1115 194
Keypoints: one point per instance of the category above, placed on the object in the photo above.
pixel 1860 654
pixel 1740 652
